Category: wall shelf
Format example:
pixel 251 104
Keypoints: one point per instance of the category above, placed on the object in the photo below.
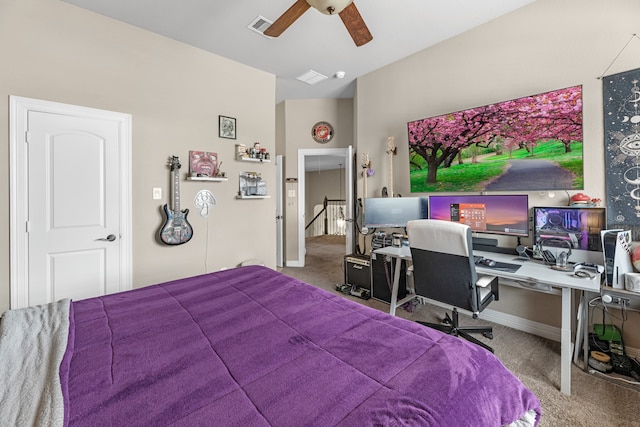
pixel 250 159
pixel 206 178
pixel 252 197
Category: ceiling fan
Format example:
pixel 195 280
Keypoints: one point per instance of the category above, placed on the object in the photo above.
pixel 345 8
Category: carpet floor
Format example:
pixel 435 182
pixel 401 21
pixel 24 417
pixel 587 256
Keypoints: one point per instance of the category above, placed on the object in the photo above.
pixel 595 399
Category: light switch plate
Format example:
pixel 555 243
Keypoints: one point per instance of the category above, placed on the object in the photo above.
pixel 157 193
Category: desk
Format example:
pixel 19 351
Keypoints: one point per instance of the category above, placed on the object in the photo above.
pixel 533 275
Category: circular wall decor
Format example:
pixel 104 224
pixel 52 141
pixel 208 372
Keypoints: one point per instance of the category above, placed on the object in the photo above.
pixel 322 132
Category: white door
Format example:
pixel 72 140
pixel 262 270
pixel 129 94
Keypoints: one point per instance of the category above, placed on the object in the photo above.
pixel 74 188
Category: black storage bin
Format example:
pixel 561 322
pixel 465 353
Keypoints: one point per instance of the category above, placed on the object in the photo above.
pixel 382 270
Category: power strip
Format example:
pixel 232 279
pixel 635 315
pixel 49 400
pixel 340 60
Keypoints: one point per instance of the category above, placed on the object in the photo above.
pixel 611 299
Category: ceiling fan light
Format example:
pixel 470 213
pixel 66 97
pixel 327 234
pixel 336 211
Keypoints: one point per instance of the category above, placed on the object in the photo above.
pixel 329 7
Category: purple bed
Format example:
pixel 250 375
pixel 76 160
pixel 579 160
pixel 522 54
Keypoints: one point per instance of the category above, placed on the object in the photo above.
pixel 253 347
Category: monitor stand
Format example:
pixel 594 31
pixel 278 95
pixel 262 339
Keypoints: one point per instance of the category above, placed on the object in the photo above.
pixel 490 245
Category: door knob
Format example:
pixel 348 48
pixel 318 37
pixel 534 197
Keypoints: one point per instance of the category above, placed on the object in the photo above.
pixel 109 238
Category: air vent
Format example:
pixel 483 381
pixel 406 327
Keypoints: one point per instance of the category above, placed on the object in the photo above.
pixel 311 77
pixel 259 25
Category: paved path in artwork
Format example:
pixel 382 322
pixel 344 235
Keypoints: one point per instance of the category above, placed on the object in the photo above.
pixel 532 174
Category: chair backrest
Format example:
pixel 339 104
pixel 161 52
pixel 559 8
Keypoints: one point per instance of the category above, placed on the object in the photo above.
pixel 443 266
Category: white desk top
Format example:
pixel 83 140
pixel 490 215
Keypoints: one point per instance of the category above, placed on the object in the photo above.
pixel 532 271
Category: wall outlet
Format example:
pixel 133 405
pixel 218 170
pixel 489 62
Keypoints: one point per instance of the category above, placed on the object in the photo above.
pixel 157 193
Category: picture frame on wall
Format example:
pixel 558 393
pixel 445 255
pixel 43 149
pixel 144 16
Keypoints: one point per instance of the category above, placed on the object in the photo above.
pixel 226 127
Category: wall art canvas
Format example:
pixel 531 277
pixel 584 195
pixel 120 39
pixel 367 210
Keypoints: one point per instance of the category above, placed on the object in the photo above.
pixel 621 101
pixel 530 143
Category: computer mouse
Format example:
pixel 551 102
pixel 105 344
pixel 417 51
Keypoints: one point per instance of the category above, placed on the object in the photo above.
pixel 488 262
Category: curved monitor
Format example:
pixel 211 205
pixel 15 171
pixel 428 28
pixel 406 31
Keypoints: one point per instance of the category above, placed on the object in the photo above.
pixel 394 212
pixel 494 214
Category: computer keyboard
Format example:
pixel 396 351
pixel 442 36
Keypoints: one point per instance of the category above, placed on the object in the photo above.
pixel 477 259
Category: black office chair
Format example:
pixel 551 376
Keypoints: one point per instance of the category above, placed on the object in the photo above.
pixel 444 271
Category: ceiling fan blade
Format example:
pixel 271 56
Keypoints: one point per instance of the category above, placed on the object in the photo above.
pixel 355 25
pixel 287 18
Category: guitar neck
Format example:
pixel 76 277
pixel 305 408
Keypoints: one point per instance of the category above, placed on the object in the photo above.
pixel 365 169
pixel 364 185
pixel 390 189
pixel 176 190
pixel 391 151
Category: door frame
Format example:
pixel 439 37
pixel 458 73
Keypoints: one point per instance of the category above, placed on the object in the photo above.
pixel 279 211
pixel 347 154
pixel 19 197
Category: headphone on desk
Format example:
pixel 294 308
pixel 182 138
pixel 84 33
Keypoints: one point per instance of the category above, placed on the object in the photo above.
pixel 566 253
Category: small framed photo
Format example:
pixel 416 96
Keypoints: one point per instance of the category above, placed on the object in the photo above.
pixel 226 127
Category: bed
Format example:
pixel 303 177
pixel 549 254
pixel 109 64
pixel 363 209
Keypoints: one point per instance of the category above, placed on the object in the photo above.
pixel 245 347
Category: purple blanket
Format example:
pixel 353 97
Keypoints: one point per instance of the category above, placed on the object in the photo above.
pixel 253 347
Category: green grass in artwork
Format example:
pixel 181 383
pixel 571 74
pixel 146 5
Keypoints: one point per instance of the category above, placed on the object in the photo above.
pixel 465 177
pixel 473 176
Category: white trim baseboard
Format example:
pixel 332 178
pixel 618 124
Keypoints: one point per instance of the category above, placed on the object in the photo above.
pixel 295 263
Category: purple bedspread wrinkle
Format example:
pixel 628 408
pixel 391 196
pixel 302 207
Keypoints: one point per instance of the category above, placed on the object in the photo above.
pixel 253 347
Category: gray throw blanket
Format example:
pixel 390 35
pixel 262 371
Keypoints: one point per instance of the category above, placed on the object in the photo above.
pixel 33 341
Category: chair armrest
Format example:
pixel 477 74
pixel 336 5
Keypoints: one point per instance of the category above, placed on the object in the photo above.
pixel 485 280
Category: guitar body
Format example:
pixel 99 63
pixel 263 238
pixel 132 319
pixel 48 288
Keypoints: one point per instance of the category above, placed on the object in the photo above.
pixel 176 229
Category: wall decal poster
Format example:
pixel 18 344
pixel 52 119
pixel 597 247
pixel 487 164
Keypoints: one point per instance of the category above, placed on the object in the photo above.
pixel 621 100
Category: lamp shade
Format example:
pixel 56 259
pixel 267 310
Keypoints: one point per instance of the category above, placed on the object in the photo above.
pixel 329 7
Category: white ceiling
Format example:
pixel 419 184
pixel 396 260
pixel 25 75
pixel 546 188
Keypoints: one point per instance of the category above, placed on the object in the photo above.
pixel 314 42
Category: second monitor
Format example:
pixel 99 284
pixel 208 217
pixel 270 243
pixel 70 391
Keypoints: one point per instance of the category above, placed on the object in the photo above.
pixel 394 212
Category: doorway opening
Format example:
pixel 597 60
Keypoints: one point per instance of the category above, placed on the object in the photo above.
pixel 325 158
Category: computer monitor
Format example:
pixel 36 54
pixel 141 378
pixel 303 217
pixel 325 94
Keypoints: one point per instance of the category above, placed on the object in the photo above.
pixel 564 226
pixel 394 212
pixel 493 214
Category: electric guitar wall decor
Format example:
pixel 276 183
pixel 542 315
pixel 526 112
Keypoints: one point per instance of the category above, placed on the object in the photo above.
pixel 391 151
pixel 176 229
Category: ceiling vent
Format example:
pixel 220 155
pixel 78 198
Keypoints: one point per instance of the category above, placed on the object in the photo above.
pixel 259 25
pixel 311 77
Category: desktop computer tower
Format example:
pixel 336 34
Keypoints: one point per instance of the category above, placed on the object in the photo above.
pixel 382 270
pixel 357 271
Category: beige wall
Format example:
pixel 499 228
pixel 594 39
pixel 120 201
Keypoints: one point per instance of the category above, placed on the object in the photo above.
pixel 299 116
pixel 546 45
pixel 57 52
